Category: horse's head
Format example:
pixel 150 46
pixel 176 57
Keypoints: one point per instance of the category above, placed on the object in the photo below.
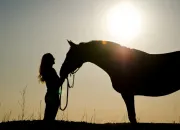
pixel 73 60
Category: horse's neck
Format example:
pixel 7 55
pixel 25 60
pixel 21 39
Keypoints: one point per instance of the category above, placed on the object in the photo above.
pixel 113 58
pixel 100 59
pixel 102 63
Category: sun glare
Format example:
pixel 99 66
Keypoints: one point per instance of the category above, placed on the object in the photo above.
pixel 123 22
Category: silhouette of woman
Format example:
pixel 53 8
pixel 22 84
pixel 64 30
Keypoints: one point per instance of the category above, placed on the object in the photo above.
pixel 48 75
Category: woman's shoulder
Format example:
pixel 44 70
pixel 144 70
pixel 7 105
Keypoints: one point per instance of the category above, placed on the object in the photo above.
pixel 50 73
pixel 51 70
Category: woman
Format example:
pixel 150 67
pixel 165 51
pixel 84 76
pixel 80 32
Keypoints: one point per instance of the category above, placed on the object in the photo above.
pixel 48 75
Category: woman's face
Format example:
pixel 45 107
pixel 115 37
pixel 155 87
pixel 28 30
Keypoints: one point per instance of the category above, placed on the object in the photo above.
pixel 53 60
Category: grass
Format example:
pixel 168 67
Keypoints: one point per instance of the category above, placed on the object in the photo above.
pixel 69 125
pixel 22 103
pixel 36 122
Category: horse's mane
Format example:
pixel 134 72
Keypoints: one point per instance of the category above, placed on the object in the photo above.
pixel 108 45
pixel 101 43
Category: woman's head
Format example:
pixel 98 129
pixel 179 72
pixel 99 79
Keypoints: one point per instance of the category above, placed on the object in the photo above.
pixel 47 62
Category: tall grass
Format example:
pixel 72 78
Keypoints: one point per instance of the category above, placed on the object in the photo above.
pixel 84 116
pixel 22 103
pixel 7 116
pixel 63 116
pixel 39 114
pixel 23 116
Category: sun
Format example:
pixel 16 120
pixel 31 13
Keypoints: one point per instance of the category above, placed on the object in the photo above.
pixel 124 22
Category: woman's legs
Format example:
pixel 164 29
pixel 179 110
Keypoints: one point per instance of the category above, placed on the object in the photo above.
pixel 52 105
pixel 50 112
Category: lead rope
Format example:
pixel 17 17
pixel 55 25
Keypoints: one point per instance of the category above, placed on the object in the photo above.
pixel 68 86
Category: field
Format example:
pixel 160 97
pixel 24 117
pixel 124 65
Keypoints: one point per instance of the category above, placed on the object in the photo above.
pixel 68 125
pixel 22 123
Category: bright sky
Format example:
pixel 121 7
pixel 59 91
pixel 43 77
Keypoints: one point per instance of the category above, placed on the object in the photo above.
pixel 28 29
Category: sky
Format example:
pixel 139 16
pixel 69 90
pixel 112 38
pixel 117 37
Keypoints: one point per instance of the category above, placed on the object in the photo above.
pixel 29 29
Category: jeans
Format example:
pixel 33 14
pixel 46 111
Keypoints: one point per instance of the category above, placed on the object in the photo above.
pixel 52 104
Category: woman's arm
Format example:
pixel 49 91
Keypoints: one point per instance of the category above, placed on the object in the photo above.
pixel 61 81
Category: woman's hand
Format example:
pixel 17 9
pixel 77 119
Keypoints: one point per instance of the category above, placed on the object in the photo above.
pixel 61 81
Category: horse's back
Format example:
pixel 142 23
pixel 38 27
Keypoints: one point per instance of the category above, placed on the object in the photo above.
pixel 151 74
pixel 161 74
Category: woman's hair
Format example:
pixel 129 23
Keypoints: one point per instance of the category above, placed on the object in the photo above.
pixel 46 63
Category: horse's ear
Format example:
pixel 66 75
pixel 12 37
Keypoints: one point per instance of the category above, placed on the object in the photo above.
pixel 71 43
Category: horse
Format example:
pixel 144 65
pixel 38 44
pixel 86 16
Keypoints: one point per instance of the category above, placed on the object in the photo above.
pixel 132 72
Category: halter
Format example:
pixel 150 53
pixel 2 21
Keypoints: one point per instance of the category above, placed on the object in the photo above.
pixel 68 86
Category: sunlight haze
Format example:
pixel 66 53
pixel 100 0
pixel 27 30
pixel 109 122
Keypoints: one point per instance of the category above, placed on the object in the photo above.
pixel 124 22
pixel 31 28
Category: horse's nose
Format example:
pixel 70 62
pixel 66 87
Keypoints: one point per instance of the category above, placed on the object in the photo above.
pixel 63 73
